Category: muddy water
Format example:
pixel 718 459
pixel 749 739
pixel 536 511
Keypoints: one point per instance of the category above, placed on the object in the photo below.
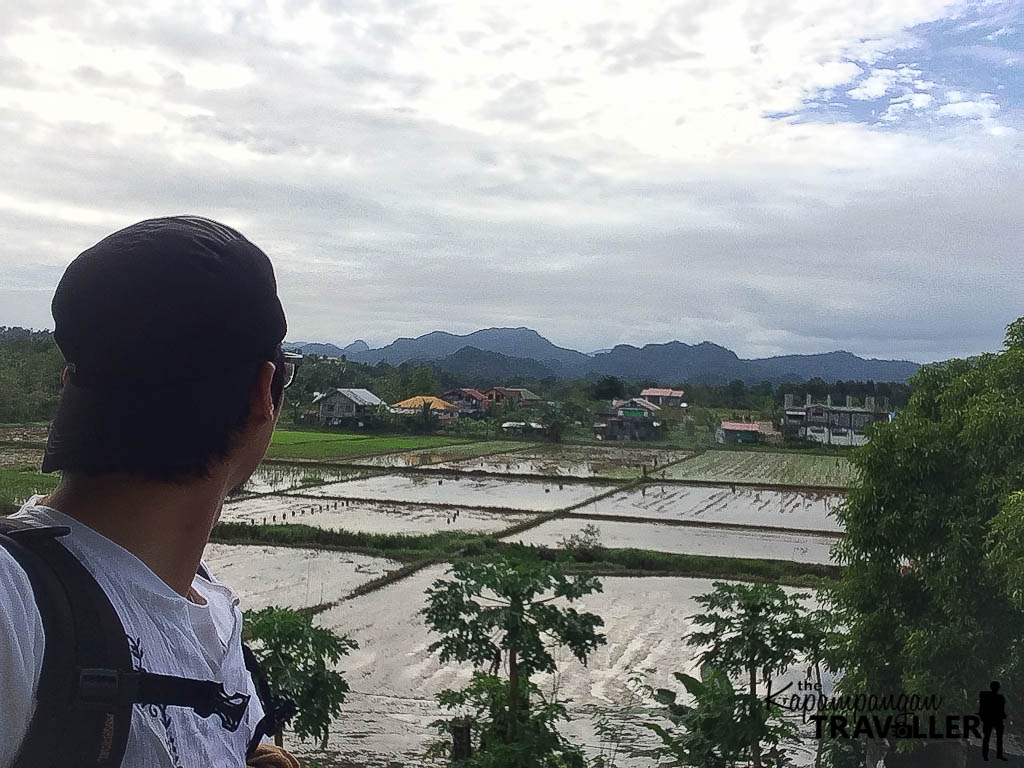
pixel 268 510
pixel 412 459
pixel 271 478
pixel 481 492
pixel 429 456
pixel 394 678
pixel 292 578
pixel 737 505
pixel 800 548
pixel 372 517
pixel 572 461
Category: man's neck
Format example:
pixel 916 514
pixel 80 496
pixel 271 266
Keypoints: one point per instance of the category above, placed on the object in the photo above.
pixel 165 525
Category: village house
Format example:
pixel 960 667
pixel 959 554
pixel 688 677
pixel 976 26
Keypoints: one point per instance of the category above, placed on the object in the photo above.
pixel 468 401
pixel 344 406
pixel 516 395
pixel 833 424
pixel 413 406
pixel 666 398
pixel 738 432
pixel 632 419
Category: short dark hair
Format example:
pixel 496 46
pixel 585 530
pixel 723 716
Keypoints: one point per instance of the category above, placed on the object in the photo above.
pixel 208 415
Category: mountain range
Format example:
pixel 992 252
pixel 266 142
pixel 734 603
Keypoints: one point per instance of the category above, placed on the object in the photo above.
pixel 504 353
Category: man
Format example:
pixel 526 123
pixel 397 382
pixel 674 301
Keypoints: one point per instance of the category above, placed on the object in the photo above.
pixel 992 710
pixel 172 333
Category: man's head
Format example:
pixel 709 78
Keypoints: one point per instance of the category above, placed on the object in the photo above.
pixel 171 329
pixel 994 686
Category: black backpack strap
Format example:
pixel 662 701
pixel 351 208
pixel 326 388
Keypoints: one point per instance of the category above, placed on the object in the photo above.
pixel 82 630
pixel 277 710
pixel 87 684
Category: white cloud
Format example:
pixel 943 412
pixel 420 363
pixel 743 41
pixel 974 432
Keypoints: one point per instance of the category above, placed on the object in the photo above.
pixel 921 100
pixel 970 109
pixel 954 96
pixel 874 87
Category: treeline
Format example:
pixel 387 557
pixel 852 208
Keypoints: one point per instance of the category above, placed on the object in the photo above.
pixel 30 369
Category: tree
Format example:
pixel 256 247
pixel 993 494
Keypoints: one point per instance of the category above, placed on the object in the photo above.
pixel 707 733
pixel 294 655
pixel 424 382
pixel 425 421
pixel 554 422
pixel 752 629
pixel 505 609
pixel 736 394
pixel 930 537
pixel 609 388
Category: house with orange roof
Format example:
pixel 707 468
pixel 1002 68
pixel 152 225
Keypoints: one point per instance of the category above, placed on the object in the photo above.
pixel 412 406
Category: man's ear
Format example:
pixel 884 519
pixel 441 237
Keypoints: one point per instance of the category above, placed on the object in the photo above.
pixel 261 400
pixel 64 376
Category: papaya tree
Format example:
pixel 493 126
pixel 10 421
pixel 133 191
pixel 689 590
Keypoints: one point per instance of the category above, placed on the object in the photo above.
pixel 295 656
pixel 506 613
pixel 756 631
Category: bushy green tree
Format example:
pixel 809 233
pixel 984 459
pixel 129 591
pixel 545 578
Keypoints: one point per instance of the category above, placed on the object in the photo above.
pixel 30 373
pixel 932 533
pixel 295 656
pixel 707 732
pixel 505 611
pixel 609 388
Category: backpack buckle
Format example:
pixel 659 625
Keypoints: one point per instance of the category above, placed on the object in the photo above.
pixel 106 686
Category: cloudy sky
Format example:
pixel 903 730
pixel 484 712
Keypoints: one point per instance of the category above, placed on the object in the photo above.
pixel 777 176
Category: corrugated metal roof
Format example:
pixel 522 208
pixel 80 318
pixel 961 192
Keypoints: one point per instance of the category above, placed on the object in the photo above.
pixel 662 392
pixel 739 426
pixel 474 393
pixel 524 393
pixel 436 403
pixel 645 404
pixel 357 396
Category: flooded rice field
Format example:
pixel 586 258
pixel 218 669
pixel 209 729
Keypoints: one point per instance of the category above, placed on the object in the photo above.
pixel 689 540
pixel 292 578
pixel 24 432
pixel 713 504
pixel 272 478
pixel 767 468
pixel 369 516
pixel 14 457
pixel 394 678
pixel 572 461
pixel 466 491
pixel 431 456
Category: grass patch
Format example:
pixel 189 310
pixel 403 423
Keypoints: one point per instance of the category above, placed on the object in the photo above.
pixel 336 445
pixel 624 562
pixel 392 545
pixel 17 486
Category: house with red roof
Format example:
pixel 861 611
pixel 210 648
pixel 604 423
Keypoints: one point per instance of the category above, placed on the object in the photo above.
pixel 518 395
pixel 468 401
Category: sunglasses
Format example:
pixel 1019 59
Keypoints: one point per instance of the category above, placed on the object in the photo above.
pixel 292 361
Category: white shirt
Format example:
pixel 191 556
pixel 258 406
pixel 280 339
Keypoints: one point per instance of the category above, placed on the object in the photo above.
pixel 166 633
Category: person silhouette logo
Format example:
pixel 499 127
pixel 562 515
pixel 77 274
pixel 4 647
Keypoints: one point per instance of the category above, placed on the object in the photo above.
pixel 992 710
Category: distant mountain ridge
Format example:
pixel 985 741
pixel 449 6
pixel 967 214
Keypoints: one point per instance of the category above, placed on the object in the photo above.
pixel 503 353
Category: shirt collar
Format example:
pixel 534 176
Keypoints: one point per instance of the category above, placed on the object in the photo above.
pixel 94 549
